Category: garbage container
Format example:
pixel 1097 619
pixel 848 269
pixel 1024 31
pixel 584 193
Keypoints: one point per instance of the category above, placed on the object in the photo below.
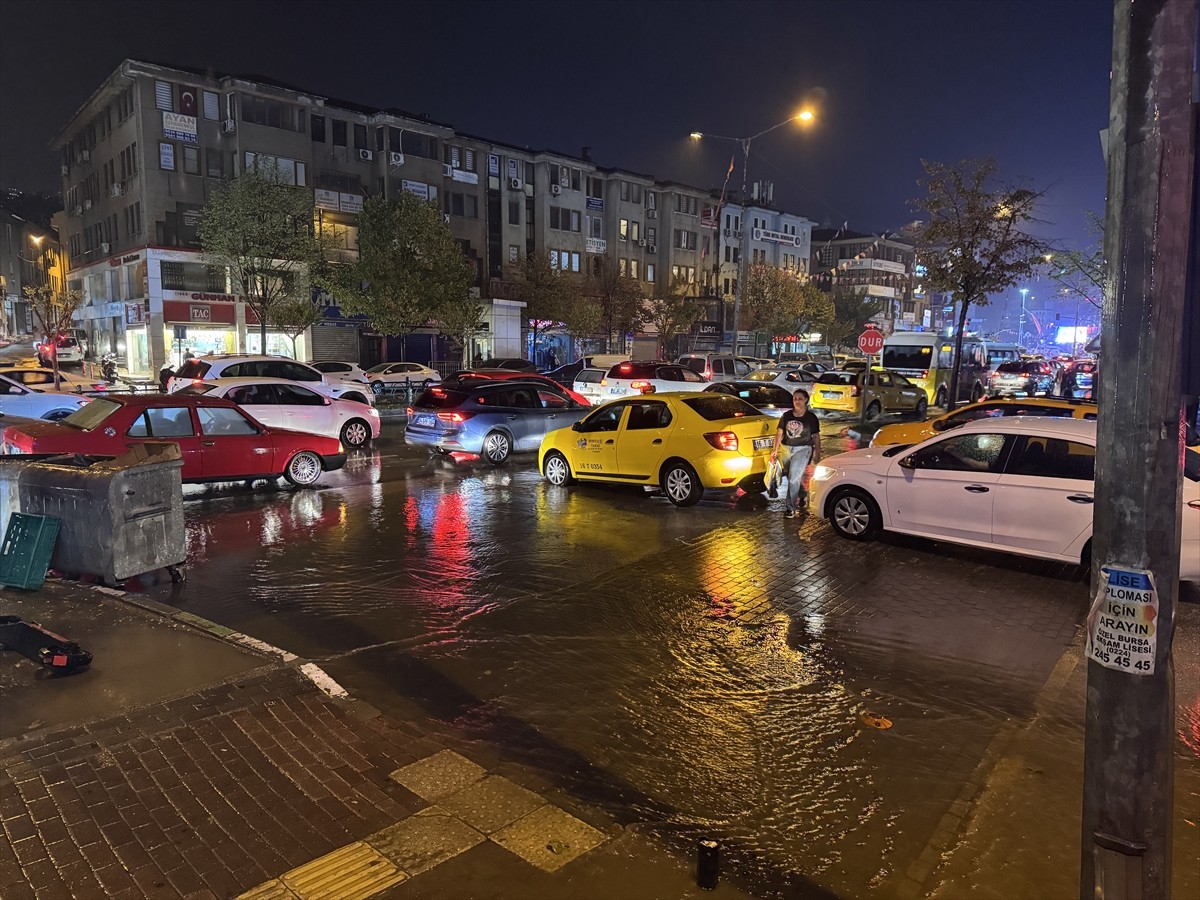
pixel 120 517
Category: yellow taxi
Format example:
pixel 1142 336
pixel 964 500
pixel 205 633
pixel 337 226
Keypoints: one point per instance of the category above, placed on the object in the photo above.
pixel 846 391
pixel 685 443
pixel 915 432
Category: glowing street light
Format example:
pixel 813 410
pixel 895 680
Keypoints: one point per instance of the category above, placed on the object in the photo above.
pixel 805 115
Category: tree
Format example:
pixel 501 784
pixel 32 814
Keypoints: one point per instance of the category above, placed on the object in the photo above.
pixel 1081 274
pixel 409 268
pixel 672 312
pixel 620 297
pixel 850 312
pixel 460 320
pixel 545 290
pixel 294 316
pixel 778 303
pixel 580 313
pixel 260 229
pixel 54 311
pixel 973 240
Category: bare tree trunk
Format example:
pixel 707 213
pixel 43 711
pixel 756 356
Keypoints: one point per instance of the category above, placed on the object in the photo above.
pixel 952 397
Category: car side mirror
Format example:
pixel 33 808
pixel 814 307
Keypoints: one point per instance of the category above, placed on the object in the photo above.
pixel 328 402
pixel 908 462
pixel 575 426
pixel 938 425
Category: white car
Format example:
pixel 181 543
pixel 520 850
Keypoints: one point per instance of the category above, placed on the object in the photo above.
pixel 69 351
pixel 628 379
pixel 587 384
pixel 280 403
pixel 342 371
pixel 787 378
pixel 208 368
pixel 17 399
pixel 1020 484
pixel 41 378
pixel 393 375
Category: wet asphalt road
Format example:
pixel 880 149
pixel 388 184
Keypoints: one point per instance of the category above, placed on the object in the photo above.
pixel 707 671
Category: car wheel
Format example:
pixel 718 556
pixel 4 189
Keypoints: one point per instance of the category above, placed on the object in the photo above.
pixel 356 433
pixel 1085 558
pixel 303 469
pixel 377 388
pixel 681 484
pixel 874 410
pixel 426 383
pixel 557 470
pixel 854 515
pixel 496 447
pixel 922 409
pixel 941 397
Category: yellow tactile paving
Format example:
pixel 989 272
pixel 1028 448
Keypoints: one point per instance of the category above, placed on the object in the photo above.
pixel 268 890
pixel 353 872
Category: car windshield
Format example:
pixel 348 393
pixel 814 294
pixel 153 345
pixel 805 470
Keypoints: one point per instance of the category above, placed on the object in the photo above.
pixel 838 378
pixel 90 415
pixel 192 368
pixel 720 406
pixel 440 398
pixel 765 395
pixel 695 363
pixel 903 356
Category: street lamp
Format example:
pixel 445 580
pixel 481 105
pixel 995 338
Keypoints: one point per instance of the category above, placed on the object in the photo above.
pixel 802 116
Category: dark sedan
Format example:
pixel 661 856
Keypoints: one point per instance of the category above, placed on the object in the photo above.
pixel 514 363
pixel 769 399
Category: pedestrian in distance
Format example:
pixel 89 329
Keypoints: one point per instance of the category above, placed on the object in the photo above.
pixel 799 435
pixel 188 354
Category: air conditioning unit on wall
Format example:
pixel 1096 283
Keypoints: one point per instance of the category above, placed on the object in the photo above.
pixel 652 214
pixel 229 126
pixel 514 183
pixel 395 159
pixel 366 155
pixel 642 242
pixel 105 248
pixel 447 171
pixel 651 249
pixel 555 189
pixel 116 189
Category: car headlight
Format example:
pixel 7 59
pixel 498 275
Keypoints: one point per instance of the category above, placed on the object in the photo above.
pixel 823 473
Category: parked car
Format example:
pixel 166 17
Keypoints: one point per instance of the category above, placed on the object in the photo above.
pixel 463 375
pixel 1022 485
pixel 41 378
pixel 758 362
pixel 1028 378
pixel 915 432
pixel 715 366
pixel 394 375
pixel 1076 378
pixel 789 379
pixel 567 374
pixel 217 440
pixel 335 370
pixel 685 443
pixel 279 403
pixel 66 348
pixel 208 368
pixel 769 399
pixel 520 365
pixel 17 399
pixel 489 418
pixel 631 378
pixel 846 391
pixel 587 384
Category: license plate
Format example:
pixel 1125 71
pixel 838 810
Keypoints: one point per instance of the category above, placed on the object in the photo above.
pixel 831 395
pixel 423 421
pixel 763 443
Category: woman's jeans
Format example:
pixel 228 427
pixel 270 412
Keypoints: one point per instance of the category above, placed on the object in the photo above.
pixel 794 466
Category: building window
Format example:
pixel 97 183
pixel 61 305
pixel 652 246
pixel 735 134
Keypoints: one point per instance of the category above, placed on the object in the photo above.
pixel 469 159
pixel 164 97
pixel 623 266
pixel 688 206
pixel 360 136
pixel 576 179
pixel 472 206
pixel 514 253
pixel 191 159
pixel 623 227
pixel 317 128
pixel 635 231
pixel 651 234
pixel 651 200
pixel 214 161
pixel 650 272
pixel 685 240
pixel 339 133
pixel 575 221
pixel 633 268
pixel 454 157
pixel 287 171
pixel 272 113
pixel 514 212
pixel 625 190
pixel 212 105
pixel 635 193
pixel 595 187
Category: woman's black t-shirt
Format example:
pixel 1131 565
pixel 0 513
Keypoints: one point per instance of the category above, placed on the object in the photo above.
pixel 797 430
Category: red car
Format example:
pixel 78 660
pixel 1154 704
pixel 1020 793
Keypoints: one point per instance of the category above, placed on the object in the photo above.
pixel 217 439
pixel 464 375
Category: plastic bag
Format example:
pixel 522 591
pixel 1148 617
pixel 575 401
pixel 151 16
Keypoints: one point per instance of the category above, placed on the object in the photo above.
pixel 774 478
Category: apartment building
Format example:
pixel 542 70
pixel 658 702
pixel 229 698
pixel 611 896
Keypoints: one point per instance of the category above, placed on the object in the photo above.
pixel 879 266
pixel 30 255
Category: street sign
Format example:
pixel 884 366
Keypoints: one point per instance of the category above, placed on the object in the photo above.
pixel 870 341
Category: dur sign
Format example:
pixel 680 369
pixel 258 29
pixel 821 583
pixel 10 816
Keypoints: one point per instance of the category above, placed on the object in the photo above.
pixel 1123 621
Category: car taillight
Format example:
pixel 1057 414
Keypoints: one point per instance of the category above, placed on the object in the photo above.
pixel 453 417
pixel 708 374
pixel 994 376
pixel 408 412
pixel 722 440
pixel 197 381
pixel 642 387
pixel 924 373
pixel 854 391
pixel 1194 504
pixel 603 382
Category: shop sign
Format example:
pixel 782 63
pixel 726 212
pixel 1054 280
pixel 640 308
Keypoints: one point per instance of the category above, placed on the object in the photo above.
pixel 200 295
pixel 878 265
pixel 135 313
pixel 420 188
pixel 708 329
pixel 199 313
pixel 594 245
pixel 350 203
pixel 464 176
pixel 595 204
pixel 493 164
pixel 708 217
pixel 326 200
pixel 179 127
pixel 118 260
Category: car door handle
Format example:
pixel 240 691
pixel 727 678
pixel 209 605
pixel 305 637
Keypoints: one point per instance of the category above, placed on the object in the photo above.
pixel 208 443
pixel 510 418
pixel 1080 498
pixel 609 441
pixel 656 441
pixel 976 489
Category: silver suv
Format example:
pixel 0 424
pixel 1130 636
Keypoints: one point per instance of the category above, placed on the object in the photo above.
pixel 716 366
pixel 207 368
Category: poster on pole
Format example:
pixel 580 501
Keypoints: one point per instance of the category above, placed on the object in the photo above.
pixel 1123 621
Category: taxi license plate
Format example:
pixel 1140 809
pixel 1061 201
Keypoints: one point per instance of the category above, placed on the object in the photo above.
pixel 423 421
pixel 763 443
pixel 831 395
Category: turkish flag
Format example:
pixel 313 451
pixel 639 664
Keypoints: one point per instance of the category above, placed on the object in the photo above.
pixel 187 101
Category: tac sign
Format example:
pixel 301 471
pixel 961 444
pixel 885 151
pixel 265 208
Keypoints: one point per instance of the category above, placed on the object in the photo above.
pixel 1123 622
pixel 870 341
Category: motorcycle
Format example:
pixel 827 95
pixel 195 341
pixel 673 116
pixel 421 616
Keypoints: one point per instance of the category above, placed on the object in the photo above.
pixel 164 375
pixel 108 367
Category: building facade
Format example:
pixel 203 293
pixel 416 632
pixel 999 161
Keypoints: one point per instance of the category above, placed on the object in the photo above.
pixel 30 256
pixel 878 266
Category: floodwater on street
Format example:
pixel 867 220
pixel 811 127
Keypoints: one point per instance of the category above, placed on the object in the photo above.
pixel 711 671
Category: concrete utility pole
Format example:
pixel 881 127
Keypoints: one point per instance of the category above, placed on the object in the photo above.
pixel 1130 713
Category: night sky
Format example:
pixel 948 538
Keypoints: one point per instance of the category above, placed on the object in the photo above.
pixel 895 82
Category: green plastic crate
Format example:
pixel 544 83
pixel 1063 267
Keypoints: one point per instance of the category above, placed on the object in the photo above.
pixel 26 551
